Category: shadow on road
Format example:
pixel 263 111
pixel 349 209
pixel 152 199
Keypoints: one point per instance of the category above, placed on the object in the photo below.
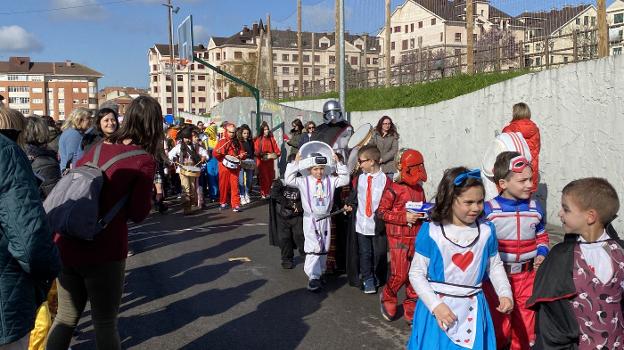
pixel 278 323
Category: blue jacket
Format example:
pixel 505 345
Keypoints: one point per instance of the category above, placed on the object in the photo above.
pixel 29 259
pixel 70 147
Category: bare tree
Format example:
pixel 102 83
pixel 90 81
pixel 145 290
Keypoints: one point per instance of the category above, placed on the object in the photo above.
pixel 495 46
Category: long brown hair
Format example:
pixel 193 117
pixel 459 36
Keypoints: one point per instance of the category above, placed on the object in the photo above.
pixel 391 132
pixel 143 124
pixel 262 126
pixel 448 191
pixel 239 133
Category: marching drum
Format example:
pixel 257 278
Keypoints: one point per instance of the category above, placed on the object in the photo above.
pixel 361 137
pixel 231 162
pixel 190 171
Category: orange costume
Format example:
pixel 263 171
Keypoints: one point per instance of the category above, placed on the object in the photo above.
pixel 531 134
pixel 264 146
pixel 228 178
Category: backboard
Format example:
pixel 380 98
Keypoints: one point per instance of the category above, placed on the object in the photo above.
pixel 185 39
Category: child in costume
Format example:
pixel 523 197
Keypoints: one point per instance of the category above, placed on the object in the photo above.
pixel 579 289
pixel 289 216
pixel 188 152
pixel 212 165
pixel 369 187
pixel 317 190
pixel 228 178
pixel 454 254
pixel 521 122
pixel 522 243
pixel 401 229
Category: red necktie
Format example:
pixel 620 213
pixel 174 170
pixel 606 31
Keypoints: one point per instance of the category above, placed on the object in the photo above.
pixel 369 197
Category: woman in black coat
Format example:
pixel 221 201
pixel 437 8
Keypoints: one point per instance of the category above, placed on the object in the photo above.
pixel 42 159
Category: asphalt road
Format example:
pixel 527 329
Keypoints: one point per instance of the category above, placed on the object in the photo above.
pixel 183 292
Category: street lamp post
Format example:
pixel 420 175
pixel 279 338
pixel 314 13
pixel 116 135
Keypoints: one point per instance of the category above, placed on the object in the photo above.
pixel 172 68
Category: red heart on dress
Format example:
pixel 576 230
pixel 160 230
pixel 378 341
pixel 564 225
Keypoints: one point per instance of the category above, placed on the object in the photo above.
pixel 469 319
pixel 463 260
pixel 467 341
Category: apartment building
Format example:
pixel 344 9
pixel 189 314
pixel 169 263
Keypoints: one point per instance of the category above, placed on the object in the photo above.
pixel 122 96
pixel 440 25
pixel 236 52
pixel 615 18
pixel 47 88
pixel 191 81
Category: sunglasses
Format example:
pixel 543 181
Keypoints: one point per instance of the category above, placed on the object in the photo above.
pixel 360 161
pixel 517 164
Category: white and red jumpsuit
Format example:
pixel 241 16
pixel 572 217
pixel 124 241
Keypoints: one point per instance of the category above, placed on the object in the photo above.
pixel 228 178
pixel 401 239
pixel 521 234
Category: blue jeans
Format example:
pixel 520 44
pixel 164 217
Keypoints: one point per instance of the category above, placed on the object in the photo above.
pixel 244 181
pixel 373 252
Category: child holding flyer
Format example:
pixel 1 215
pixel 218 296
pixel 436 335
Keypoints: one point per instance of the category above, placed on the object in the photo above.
pixel 454 254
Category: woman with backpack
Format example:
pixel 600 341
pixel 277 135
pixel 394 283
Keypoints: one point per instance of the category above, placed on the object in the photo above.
pixel 94 270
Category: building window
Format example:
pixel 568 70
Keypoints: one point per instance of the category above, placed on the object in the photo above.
pixel 224 54
pixel 181 99
pixel 317 58
pixel 317 71
pixel 180 88
pixel 538 61
pixel 412 27
pixel 37 90
pixel 238 55
pixel 405 28
pixel 617 50
pixel 296 70
pixel 83 90
pixel 354 60
pixel 458 37
pixel 433 21
pixel 285 83
pixel 306 58
pixel 586 20
pixel 285 70
pixel 252 56
pixel 332 59
pixel 306 71
pixel 368 60
pixel 578 21
pixel 412 43
pixel 392 60
pixel 565 59
pixel 420 24
pixel 155 89
pixel 285 57
pixel 37 100
pixel 201 77
pixel 19 100
pixel 201 88
pixel 404 44
pixel 168 88
pixel 295 58
pixel 441 38
pixel 201 99
pixel 593 21
pixel 75 90
pixel 618 18
pixel 324 45
pixel 375 60
pixel 332 71
pixel 397 29
pixel 218 56
pixel 155 78
pixel 457 52
pixel 392 46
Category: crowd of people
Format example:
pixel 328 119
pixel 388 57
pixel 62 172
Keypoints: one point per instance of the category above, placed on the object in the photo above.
pixel 478 269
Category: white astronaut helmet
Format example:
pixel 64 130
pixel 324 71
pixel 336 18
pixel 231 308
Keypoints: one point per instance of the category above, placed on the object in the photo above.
pixel 332 112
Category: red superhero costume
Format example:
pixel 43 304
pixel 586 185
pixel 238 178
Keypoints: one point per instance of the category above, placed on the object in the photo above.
pixel 264 146
pixel 531 134
pixel 228 178
pixel 401 236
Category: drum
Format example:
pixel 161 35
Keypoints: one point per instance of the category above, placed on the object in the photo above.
pixel 248 164
pixel 352 163
pixel 361 136
pixel 190 171
pixel 231 162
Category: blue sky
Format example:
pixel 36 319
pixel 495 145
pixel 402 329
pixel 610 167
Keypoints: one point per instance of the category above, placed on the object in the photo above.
pixel 113 36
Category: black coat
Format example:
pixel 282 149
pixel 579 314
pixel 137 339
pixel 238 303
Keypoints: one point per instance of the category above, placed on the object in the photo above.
pixel 555 324
pixel 45 164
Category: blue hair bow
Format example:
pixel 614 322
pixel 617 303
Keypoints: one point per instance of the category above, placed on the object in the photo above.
pixel 461 178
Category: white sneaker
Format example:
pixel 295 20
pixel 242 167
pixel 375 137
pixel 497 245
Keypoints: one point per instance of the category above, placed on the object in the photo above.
pixel 247 200
pixel 242 200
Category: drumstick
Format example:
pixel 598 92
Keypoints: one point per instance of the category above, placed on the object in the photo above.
pixel 225 144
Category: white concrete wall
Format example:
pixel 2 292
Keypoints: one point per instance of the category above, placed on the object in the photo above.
pixel 578 107
pixel 308 105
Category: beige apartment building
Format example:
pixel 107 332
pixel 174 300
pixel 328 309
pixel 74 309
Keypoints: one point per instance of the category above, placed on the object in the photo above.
pixel 615 18
pixel 198 89
pixel 436 25
pixel 47 88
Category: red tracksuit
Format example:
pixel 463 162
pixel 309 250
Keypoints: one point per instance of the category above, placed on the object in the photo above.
pixel 228 178
pixel 531 134
pixel 401 240
pixel 266 167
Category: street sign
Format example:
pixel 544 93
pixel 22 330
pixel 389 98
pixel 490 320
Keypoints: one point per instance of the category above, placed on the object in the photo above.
pixel 185 40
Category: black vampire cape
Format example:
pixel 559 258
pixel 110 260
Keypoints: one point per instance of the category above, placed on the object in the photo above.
pixel 380 256
pixel 556 327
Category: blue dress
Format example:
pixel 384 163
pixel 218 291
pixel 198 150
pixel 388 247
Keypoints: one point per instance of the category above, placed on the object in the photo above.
pixel 466 266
